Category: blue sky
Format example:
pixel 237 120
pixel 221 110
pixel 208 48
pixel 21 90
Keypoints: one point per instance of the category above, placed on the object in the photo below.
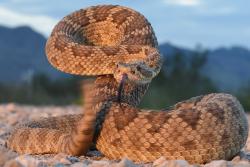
pixel 212 23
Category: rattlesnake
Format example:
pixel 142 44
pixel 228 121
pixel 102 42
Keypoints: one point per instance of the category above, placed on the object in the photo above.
pixel 118 45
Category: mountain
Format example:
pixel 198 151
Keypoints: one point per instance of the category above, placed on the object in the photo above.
pixel 228 68
pixel 22 55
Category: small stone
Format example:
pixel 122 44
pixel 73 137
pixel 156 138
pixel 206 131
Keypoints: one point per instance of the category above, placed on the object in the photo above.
pixel 242 156
pixel 62 158
pixel 177 163
pixel 162 162
pixel 159 162
pixel 13 163
pixel 94 153
pixel 26 160
pixel 124 163
pixel 242 160
pixel 99 164
pixel 241 164
pixel 11 107
pixel 86 162
pixel 13 120
pixel 6 155
pixel 219 163
pixel 79 164
pixel 42 164
pixel 73 159
pixel 60 165
pixel 236 159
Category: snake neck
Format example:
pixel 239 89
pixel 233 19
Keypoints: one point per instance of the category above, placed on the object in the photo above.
pixel 104 92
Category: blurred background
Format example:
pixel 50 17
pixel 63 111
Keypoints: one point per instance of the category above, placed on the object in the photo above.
pixel 206 45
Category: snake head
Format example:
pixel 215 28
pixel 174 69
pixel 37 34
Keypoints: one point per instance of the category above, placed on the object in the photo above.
pixel 136 72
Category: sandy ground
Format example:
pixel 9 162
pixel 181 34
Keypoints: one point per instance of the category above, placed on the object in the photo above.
pixel 11 114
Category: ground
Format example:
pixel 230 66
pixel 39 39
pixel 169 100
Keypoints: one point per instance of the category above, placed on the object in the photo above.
pixel 11 114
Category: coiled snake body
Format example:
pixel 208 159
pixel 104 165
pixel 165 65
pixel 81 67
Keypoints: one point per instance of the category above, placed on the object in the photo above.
pixel 110 41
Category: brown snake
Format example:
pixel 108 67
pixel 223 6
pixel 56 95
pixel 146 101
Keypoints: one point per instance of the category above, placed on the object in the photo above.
pixel 112 42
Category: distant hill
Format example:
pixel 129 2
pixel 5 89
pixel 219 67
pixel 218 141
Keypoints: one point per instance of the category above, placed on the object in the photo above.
pixel 228 68
pixel 22 55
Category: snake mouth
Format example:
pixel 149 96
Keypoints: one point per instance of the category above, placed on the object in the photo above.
pixel 121 87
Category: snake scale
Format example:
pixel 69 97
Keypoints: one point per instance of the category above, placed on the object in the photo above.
pixel 118 45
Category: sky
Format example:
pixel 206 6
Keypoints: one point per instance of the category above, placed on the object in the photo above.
pixel 185 23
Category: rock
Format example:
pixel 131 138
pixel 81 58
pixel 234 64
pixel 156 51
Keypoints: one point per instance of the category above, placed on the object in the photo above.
pixel 124 163
pixel 177 163
pixel 241 160
pixel 241 164
pixel 86 162
pixel 159 162
pixel 242 156
pixel 162 162
pixel 13 163
pixel 59 165
pixel 11 107
pixel 94 153
pixel 79 164
pixel 14 119
pixel 6 155
pixel 62 158
pixel 236 158
pixel 42 164
pixel 219 163
pixel 99 164
pixel 29 161
pixel 73 159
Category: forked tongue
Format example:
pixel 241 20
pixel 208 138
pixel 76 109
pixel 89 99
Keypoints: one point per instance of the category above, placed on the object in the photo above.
pixel 121 87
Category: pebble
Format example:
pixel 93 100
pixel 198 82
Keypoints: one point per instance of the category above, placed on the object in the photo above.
pixel 13 163
pixel 73 159
pixel 159 162
pixel 99 164
pixel 6 155
pixel 29 161
pixel 125 163
pixel 62 158
pixel 79 164
pixel 59 165
pixel 177 163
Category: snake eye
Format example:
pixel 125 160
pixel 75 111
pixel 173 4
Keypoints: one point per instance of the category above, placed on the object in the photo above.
pixel 133 72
